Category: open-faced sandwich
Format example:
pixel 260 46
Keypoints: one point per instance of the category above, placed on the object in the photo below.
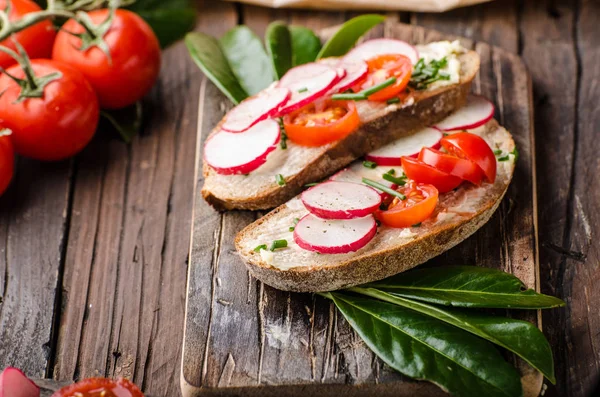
pixel 321 116
pixel 404 204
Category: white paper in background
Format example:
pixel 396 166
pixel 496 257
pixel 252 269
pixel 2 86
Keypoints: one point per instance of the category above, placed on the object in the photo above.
pixel 388 5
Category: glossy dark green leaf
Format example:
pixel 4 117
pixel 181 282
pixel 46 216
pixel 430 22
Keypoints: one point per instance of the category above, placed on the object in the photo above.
pixel 207 54
pixel 520 337
pixel 278 41
pixel 466 286
pixel 127 121
pixel 247 58
pixel 348 34
pixel 425 348
pixel 170 20
pixel 305 45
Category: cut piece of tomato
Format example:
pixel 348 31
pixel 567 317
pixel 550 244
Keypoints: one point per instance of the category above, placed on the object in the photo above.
pixel 462 168
pixel 472 147
pixel 100 387
pixel 383 67
pixel 321 122
pixel 424 173
pixel 421 200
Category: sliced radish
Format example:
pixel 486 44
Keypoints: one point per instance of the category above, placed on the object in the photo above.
pixel 356 70
pixel 334 236
pixel 307 83
pixel 406 146
pixel 372 48
pixel 253 110
pixel 240 153
pixel 475 113
pixel 341 200
pixel 14 383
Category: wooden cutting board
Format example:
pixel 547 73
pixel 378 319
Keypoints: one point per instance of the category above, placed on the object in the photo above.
pixel 245 338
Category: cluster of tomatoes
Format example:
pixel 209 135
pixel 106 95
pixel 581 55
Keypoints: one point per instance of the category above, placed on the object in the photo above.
pixel 51 100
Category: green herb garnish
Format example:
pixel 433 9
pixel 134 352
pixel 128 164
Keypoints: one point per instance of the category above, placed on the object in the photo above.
pixel 504 158
pixel 498 152
pixel 400 181
pixel 378 87
pixel 260 247
pixel 349 97
pixel 292 228
pixel 425 74
pixel 278 244
pixel 383 188
pixel 391 171
pixel 392 101
pixel 303 89
pixel 311 184
pixel 369 164
pixel 280 180
pixel 515 153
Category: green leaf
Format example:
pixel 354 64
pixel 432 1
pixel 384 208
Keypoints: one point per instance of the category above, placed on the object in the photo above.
pixel 466 286
pixel 247 59
pixel 422 347
pixel 170 20
pixel 127 121
pixel 209 57
pixel 345 38
pixel 279 46
pixel 520 337
pixel 305 45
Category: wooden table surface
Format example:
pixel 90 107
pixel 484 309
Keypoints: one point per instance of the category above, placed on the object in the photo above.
pixel 93 251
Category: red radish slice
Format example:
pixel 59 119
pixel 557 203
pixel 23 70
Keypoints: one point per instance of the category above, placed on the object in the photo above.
pixel 475 113
pixel 334 236
pixel 372 48
pixel 14 383
pixel 356 70
pixel 251 111
pixel 406 146
pixel 307 83
pixel 341 200
pixel 240 153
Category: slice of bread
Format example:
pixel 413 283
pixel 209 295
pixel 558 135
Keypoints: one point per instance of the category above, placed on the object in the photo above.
pixel 299 165
pixel 458 215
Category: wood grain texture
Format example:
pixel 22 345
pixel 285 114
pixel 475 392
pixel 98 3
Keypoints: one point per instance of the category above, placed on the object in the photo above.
pixel 261 341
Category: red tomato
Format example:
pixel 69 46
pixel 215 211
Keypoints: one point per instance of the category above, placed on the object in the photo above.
pixel 100 387
pixel 423 173
pixel 473 147
pixel 134 57
pixel 7 161
pixel 462 168
pixel 57 125
pixel 383 67
pixel 420 203
pixel 321 122
pixel 37 39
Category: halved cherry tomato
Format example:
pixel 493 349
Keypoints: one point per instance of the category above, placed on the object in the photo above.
pixel 473 147
pixel 420 203
pixel 100 387
pixel 383 67
pixel 424 173
pixel 462 168
pixel 321 122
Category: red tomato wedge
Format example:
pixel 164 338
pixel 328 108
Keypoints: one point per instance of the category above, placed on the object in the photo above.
pixel 321 122
pixel 472 147
pixel 100 387
pixel 450 164
pixel 422 173
pixel 420 203
pixel 383 67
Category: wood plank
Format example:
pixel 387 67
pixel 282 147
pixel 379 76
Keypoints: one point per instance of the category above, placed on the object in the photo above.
pixel 300 344
pixel 33 229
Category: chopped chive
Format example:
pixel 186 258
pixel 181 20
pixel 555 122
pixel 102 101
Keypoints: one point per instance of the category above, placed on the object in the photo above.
pixel 515 153
pixel 292 228
pixel 417 224
pixel 504 158
pixel 303 89
pixel 378 87
pixel 296 220
pixel 383 188
pixel 393 100
pixel 280 180
pixel 446 134
pixel 401 181
pixel 311 184
pixel 369 164
pixel 498 151
pixel 353 97
pixel 278 244
pixel 260 247
pixel 391 172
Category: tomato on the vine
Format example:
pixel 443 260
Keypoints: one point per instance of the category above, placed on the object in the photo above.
pixel 128 71
pixel 321 122
pixel 419 204
pixel 100 387
pixel 55 123
pixel 37 40
pixel 383 67
pixel 7 160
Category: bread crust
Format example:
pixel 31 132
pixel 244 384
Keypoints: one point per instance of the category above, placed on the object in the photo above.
pixel 375 264
pixel 429 108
